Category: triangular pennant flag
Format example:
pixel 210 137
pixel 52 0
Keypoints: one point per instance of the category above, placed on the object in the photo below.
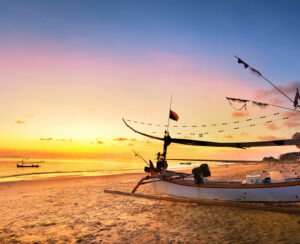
pixel 242 62
pixel 297 97
pixel 173 115
pixel 255 71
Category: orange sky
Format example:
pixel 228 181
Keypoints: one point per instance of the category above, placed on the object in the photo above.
pixel 69 74
pixel 71 105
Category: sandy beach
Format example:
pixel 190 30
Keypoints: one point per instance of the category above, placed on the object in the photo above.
pixel 76 210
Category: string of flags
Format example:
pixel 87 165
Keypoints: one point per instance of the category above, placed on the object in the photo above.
pixel 244 103
pixel 236 127
pixel 255 71
pixel 206 125
pixel 242 127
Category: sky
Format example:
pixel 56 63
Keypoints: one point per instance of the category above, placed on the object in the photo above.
pixel 71 70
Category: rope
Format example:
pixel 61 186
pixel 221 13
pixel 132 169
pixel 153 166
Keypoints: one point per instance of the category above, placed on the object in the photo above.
pixel 205 125
pixel 260 75
pixel 237 126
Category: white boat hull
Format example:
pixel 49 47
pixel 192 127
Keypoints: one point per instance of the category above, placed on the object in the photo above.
pixel 273 193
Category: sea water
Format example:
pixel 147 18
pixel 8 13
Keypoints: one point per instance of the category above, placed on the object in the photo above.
pixel 76 167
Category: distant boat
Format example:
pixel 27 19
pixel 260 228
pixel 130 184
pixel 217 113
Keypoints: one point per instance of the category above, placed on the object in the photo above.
pixel 23 163
pixel 186 163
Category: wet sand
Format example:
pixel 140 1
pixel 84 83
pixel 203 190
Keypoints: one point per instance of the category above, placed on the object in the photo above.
pixel 76 210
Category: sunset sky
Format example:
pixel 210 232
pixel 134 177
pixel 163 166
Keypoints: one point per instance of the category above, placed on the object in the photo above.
pixel 71 70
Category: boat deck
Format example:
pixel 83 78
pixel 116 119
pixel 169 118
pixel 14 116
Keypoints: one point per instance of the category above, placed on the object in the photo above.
pixel 189 178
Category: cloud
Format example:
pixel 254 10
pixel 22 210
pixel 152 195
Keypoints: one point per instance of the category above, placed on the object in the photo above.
pixel 20 122
pixel 29 115
pixel 262 94
pixel 52 139
pixel 276 101
pixel 272 126
pixel 291 124
pixel 228 136
pixel 245 134
pixel 293 121
pixel 120 139
pixel 268 138
pixel 239 114
pixel 131 141
pixel 11 156
pixel 100 142
pixel 66 140
pixel 289 88
pixel 46 139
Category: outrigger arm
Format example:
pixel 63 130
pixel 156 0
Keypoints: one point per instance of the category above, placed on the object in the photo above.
pixel 168 140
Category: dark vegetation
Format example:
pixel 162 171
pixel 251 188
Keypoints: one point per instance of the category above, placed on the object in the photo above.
pixel 289 157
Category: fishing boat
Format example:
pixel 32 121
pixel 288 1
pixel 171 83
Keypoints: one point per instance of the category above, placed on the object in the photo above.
pixel 198 185
pixel 27 164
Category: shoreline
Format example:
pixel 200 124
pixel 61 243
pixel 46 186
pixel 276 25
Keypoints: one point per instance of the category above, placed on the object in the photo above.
pixel 70 177
pixel 222 172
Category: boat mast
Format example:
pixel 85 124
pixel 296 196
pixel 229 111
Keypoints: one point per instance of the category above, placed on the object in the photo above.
pixel 169 114
pixel 167 139
pixel 167 142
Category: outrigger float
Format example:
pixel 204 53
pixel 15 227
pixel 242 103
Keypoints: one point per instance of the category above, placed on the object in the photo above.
pixel 199 186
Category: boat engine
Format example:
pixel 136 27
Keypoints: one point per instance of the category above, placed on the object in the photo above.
pixel 200 173
pixel 296 136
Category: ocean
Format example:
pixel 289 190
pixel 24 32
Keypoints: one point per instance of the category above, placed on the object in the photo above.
pixel 76 167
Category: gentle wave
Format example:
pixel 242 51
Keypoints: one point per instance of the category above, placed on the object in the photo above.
pixel 67 172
